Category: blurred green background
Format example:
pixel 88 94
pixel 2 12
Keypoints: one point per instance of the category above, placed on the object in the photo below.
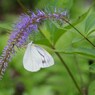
pixel 53 80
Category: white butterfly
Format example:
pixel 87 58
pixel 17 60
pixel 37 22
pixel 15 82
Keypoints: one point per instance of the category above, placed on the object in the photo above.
pixel 36 58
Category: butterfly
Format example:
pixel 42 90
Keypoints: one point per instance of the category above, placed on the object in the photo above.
pixel 36 57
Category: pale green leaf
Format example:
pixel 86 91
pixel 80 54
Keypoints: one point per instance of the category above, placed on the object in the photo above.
pixel 5 26
pixel 79 19
pixel 92 88
pixel 92 68
pixel 83 51
pixel 90 22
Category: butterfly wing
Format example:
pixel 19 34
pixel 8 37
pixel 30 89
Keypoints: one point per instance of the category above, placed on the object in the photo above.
pixel 36 57
pixel 47 59
pixel 31 60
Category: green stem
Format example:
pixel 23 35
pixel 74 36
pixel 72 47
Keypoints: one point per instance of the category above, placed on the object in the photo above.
pixel 79 70
pixel 65 65
pixel 68 70
pixel 80 73
pixel 78 32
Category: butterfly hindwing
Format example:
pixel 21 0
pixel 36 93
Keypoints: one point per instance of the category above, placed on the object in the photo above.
pixel 47 59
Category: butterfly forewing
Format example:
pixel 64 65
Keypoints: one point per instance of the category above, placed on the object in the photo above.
pixel 31 59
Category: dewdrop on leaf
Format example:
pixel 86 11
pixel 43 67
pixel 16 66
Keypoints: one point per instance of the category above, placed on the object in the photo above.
pixel 36 58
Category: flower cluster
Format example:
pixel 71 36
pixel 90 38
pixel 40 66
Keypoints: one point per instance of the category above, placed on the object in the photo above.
pixel 25 25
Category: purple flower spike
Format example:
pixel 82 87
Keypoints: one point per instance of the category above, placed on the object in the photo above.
pixel 40 13
pixel 33 15
pixel 21 31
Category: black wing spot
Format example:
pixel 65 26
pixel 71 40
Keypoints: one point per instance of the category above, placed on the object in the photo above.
pixel 43 60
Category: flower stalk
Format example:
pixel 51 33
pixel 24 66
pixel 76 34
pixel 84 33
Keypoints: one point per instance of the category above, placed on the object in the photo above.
pixel 21 31
pixel 65 65
pixel 69 72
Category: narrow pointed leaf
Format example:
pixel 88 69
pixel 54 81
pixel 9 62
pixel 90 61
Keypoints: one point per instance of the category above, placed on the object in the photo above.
pixel 90 22
pixel 83 51
pixel 79 19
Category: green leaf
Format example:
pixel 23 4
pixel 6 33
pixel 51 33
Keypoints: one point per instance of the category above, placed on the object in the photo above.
pixel 51 4
pixel 42 90
pixel 58 25
pixel 79 19
pixel 92 89
pixel 45 33
pixel 51 32
pixel 83 51
pixel 90 22
pixel 90 32
pixel 92 68
pixel 65 40
pixel 5 26
pixel 65 29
